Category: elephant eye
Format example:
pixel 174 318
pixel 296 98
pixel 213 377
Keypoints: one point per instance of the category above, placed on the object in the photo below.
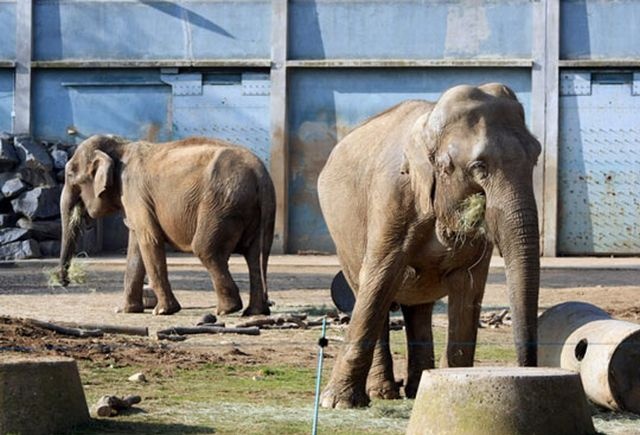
pixel 478 169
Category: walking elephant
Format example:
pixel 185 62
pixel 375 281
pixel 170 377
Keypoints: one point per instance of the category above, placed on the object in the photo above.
pixel 414 200
pixel 201 195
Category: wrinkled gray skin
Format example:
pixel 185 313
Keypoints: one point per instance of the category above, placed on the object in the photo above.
pixel 388 194
pixel 201 195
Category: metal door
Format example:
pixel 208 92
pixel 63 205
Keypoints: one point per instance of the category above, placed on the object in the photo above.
pixel 599 163
pixel 233 107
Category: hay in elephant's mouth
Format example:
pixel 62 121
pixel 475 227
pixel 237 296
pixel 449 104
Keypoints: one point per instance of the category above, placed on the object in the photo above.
pixel 471 214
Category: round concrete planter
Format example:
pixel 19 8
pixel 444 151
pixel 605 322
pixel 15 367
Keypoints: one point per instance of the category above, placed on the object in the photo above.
pixel 500 401
pixel 40 395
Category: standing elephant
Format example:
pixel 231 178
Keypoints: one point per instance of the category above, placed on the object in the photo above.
pixel 201 195
pixel 400 195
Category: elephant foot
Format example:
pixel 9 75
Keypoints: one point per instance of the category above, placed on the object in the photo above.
pixel 228 306
pixel 133 308
pixel 166 309
pixel 388 390
pixel 256 311
pixel 411 388
pixel 344 398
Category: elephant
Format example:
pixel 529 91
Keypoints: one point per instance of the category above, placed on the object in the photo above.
pixel 394 194
pixel 200 195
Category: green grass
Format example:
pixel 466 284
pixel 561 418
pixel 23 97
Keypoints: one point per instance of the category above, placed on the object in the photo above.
pixel 231 399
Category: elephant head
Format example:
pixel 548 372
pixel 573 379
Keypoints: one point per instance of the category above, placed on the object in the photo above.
pixel 90 186
pixel 475 141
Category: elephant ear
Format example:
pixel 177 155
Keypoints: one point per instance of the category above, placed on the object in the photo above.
pixel 419 152
pixel 102 172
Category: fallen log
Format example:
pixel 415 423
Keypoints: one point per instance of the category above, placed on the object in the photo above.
pixel 257 322
pixel 170 337
pixel 186 330
pixel 113 329
pixel 110 406
pixel 75 332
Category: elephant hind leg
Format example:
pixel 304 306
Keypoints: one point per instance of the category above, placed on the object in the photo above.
pixel 420 354
pixel 258 302
pixel 381 383
pixel 213 243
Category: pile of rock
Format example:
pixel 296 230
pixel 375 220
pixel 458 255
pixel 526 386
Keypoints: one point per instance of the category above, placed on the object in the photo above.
pixel 31 178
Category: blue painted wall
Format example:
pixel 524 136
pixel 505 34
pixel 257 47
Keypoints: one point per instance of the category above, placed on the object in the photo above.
pixel 151 29
pixel 428 29
pixel 6 99
pixel 599 29
pixel 8 25
pixel 129 103
pixel 326 104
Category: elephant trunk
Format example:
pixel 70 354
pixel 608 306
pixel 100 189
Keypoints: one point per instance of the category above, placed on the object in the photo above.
pixel 71 220
pixel 514 225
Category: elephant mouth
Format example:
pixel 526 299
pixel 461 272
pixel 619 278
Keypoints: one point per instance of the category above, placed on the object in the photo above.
pixel 465 223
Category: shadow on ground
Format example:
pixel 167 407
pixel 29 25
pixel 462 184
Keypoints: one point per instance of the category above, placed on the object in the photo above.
pixel 104 426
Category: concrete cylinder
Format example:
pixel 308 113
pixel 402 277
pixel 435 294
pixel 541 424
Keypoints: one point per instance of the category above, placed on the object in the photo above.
pixel 500 401
pixel 40 396
pixel 606 352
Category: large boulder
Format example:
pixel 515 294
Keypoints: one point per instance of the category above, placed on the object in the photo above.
pixel 8 156
pixel 60 158
pixel 13 187
pixel 8 235
pixel 7 220
pixel 42 230
pixel 39 203
pixel 20 250
pixel 32 154
pixel 50 248
pixel 37 177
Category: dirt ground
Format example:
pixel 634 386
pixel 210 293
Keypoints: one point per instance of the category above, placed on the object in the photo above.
pixel 24 294
pixel 293 287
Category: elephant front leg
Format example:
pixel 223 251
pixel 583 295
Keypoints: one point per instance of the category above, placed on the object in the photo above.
pixel 420 356
pixel 155 263
pixel 466 289
pixel 381 383
pixel 378 282
pixel 133 277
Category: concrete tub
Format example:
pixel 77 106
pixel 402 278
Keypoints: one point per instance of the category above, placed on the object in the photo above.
pixel 40 395
pixel 500 401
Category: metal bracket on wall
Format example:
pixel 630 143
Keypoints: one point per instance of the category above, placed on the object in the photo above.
pixel 574 83
pixel 183 84
pixel 256 84
pixel 635 88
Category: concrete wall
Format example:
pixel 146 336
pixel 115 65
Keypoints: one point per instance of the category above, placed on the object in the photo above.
pixel 321 67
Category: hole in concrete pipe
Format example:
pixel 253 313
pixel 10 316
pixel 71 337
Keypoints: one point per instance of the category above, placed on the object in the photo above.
pixel 581 349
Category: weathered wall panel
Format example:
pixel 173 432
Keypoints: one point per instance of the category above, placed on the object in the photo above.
pixel 599 164
pixel 412 29
pixel 8 25
pixel 6 99
pixel 326 104
pixel 130 103
pixel 599 29
pixel 154 29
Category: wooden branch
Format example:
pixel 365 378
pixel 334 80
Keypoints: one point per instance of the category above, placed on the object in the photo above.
pixel 109 406
pixel 259 322
pixel 185 330
pixel 170 337
pixel 75 332
pixel 114 329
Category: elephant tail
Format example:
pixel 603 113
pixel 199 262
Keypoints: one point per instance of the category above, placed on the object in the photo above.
pixel 267 199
